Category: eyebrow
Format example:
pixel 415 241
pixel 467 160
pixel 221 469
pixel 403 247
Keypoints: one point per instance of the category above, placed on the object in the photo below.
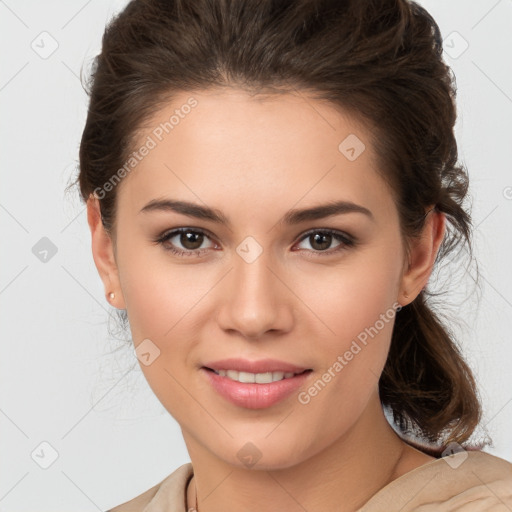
pixel 291 217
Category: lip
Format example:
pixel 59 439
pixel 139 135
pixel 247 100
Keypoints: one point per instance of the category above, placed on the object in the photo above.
pixel 260 366
pixel 253 395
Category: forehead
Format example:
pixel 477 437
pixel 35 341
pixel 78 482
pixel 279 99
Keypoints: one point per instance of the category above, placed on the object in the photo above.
pixel 229 147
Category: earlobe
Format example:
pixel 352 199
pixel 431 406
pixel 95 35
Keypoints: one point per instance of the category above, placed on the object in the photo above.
pixel 103 254
pixel 422 256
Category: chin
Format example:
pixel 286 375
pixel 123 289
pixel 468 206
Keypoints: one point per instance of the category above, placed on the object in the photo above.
pixel 257 453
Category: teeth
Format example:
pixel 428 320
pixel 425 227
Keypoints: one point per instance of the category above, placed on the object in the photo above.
pixel 258 378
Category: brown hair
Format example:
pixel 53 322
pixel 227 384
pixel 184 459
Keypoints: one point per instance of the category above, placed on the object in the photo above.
pixel 380 60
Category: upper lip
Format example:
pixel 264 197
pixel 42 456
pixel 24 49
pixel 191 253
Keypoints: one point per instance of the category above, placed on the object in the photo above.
pixel 260 366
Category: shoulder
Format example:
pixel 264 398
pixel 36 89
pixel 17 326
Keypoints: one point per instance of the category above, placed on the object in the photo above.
pixel 169 492
pixel 479 467
pixel 450 483
pixel 138 503
pixel 491 462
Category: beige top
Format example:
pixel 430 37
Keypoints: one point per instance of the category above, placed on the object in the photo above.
pixel 472 481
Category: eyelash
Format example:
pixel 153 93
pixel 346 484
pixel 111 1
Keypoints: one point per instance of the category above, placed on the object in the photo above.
pixel 347 241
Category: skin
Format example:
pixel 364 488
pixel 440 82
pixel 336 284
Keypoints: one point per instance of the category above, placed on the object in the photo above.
pixel 254 159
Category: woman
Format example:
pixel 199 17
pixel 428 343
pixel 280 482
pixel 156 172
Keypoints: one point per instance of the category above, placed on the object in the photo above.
pixel 269 185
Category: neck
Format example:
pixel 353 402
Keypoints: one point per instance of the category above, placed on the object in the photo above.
pixel 342 477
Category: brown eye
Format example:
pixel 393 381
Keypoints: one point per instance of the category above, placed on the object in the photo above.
pixel 191 240
pixel 184 241
pixel 321 241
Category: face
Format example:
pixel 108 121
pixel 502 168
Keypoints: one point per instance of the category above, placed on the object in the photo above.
pixel 259 283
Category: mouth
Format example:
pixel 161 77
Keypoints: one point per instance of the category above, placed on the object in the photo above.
pixel 255 390
pixel 256 378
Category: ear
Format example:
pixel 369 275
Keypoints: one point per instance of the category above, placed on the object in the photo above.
pixel 421 256
pixel 104 254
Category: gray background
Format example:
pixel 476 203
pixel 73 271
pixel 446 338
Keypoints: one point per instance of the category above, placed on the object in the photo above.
pixel 60 385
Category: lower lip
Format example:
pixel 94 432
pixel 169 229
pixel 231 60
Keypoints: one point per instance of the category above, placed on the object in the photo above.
pixel 252 395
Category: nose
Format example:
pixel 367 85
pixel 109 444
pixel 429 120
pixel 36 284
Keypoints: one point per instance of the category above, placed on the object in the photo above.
pixel 255 299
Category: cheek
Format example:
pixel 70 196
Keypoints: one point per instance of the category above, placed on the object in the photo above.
pixel 362 316
pixel 160 299
pixel 158 293
pixel 169 301
pixel 168 304
pixel 357 307
pixel 339 307
pixel 348 299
